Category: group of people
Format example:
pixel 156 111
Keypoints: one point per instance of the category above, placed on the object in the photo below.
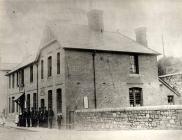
pixel 41 117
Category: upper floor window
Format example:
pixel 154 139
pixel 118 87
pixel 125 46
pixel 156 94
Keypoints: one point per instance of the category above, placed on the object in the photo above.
pixel 28 101
pixel 13 105
pixel 49 61
pixel 17 79
pixel 170 99
pixel 31 73
pixel 42 69
pixel 134 68
pixel 58 63
pixel 22 77
pixel 9 81
pixel 135 97
pixel 13 80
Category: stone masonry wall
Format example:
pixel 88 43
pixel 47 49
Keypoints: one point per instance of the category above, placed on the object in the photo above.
pixel 156 117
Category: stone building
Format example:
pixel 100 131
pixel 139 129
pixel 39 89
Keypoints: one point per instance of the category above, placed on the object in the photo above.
pixel 4 69
pixel 86 67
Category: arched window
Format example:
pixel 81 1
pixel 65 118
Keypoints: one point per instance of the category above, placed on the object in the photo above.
pixel 49 62
pixel 59 100
pixel 135 96
pixel 49 99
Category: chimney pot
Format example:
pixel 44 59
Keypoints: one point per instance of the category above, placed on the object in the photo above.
pixel 141 36
pixel 95 20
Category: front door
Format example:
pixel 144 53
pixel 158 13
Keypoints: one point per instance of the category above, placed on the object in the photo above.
pixel 42 103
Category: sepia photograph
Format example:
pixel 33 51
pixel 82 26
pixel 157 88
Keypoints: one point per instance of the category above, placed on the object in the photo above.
pixel 90 70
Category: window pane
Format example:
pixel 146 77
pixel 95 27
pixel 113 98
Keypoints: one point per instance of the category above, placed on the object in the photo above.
pixel 135 96
pixel 58 63
pixel 59 100
pixel 42 69
pixel 9 81
pixel 170 99
pixel 50 99
pixel 17 79
pixel 28 101
pixel 13 80
pixel 134 64
pixel 31 73
pixel 49 66
pixel 13 105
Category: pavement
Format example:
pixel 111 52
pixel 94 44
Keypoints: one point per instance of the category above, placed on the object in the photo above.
pixel 11 132
pixel 34 129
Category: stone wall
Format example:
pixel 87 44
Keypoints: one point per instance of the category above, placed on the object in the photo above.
pixel 156 117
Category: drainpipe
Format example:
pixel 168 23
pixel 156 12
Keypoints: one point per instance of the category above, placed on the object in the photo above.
pixel 37 86
pixel 95 95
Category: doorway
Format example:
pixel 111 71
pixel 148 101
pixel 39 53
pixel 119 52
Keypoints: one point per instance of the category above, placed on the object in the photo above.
pixel 42 103
pixel 59 101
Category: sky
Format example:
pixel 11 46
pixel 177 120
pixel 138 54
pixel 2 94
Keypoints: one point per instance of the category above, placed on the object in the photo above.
pixel 22 22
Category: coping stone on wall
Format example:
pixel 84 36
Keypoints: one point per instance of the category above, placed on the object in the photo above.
pixel 161 107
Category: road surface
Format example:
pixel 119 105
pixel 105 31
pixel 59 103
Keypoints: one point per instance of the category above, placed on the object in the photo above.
pixel 20 134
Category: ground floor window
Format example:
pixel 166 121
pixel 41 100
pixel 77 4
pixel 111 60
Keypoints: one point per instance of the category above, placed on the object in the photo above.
pixel 170 99
pixel 59 100
pixel 35 100
pixel 135 97
pixel 42 103
pixel 28 101
pixel 16 107
pixel 50 99
pixel 9 105
pixel 13 105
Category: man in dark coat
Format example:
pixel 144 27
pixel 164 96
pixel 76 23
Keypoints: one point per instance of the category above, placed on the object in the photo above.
pixel 24 116
pixel 28 117
pixel 50 117
pixel 40 117
pixel 34 117
pixel 59 120
pixel 45 117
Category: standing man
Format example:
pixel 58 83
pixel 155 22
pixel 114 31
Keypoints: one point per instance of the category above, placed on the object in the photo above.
pixel 40 117
pixel 50 116
pixel 59 120
pixel 33 117
pixel 28 117
pixel 24 117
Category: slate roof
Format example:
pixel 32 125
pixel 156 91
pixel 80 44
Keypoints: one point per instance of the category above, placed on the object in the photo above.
pixel 74 36
pixel 26 61
pixel 81 37
pixel 7 66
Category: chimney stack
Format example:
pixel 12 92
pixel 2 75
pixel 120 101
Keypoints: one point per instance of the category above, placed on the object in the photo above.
pixel 95 20
pixel 141 36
